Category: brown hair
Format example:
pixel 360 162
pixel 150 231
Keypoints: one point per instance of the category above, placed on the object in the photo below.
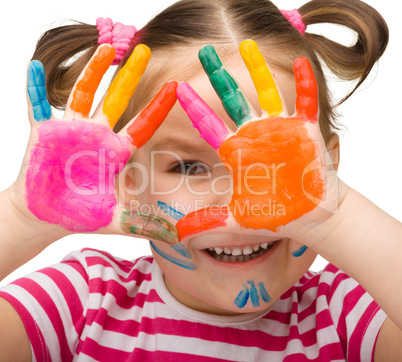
pixel 182 29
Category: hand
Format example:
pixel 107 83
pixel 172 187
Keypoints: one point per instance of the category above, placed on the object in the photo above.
pixel 283 178
pixel 70 167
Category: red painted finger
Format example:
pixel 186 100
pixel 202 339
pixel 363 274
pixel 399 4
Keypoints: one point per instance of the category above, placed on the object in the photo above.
pixel 152 116
pixel 306 90
pixel 202 220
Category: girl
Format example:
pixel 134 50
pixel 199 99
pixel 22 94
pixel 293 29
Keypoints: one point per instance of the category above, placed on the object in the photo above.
pixel 193 302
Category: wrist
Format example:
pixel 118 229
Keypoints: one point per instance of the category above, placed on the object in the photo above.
pixel 357 227
pixel 22 237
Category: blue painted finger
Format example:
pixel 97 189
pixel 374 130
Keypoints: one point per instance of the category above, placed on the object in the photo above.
pixel 37 91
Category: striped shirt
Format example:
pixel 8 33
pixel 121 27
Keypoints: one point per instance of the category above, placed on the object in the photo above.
pixel 95 307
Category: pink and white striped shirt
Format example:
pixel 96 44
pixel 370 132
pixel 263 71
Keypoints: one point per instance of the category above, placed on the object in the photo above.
pixel 95 307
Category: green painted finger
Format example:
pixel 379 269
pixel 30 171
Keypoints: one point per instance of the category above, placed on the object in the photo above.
pixel 148 225
pixel 225 86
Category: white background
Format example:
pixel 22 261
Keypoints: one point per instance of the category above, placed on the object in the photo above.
pixel 370 147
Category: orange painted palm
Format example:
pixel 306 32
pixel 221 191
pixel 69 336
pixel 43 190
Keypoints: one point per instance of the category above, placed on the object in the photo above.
pixel 276 163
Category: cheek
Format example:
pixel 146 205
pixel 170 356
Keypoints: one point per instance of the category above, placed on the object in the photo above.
pixel 169 258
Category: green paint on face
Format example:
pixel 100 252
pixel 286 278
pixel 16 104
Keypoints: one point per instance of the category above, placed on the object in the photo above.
pixel 150 226
pixel 225 86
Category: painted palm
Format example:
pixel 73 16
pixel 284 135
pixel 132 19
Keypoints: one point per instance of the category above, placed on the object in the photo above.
pixel 73 162
pixel 275 161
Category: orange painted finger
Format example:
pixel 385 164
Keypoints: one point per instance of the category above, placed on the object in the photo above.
pixel 202 220
pixel 125 84
pixel 87 85
pixel 152 116
pixel 306 90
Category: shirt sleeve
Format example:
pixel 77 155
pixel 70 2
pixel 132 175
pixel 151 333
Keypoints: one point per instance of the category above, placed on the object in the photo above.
pixel 51 304
pixel 356 315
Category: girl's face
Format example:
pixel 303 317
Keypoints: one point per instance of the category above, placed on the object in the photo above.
pixel 179 169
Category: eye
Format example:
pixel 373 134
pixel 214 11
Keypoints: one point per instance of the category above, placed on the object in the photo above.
pixel 190 168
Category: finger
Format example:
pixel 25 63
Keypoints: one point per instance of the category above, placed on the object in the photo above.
pixel 149 226
pixel 152 116
pixel 306 90
pixel 268 95
pixel 36 88
pixel 125 83
pixel 202 220
pixel 82 96
pixel 233 99
pixel 211 127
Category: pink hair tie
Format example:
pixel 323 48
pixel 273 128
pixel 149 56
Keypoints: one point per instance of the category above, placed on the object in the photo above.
pixel 295 19
pixel 118 35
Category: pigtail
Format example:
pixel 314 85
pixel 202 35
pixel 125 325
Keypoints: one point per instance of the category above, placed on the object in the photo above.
pixel 354 62
pixel 58 49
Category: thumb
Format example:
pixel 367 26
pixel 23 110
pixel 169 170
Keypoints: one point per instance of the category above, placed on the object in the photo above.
pixel 38 107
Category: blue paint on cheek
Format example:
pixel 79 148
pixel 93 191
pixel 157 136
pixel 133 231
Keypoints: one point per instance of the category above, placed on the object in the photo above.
pixel 264 295
pixel 183 263
pixel 182 250
pixel 177 215
pixel 242 297
pixel 299 252
pixel 36 88
pixel 255 298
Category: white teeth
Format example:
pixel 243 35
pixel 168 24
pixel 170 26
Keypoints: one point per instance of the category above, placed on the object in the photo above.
pixel 236 252
pixel 219 251
pixel 239 253
pixel 227 251
pixel 248 250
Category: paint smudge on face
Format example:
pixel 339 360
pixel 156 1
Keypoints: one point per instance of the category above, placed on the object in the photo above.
pixel 182 250
pixel 150 226
pixel 70 179
pixel 250 291
pixel 177 215
pixel 183 263
pixel 36 87
pixel 254 297
pixel 264 294
pixel 242 297
pixel 300 251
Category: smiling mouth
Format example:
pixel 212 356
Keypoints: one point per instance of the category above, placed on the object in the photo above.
pixel 239 255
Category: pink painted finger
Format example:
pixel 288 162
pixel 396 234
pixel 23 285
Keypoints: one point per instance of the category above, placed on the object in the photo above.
pixel 211 127
pixel 306 89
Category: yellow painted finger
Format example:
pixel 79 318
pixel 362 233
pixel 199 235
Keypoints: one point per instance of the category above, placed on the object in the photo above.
pixel 125 83
pixel 264 83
